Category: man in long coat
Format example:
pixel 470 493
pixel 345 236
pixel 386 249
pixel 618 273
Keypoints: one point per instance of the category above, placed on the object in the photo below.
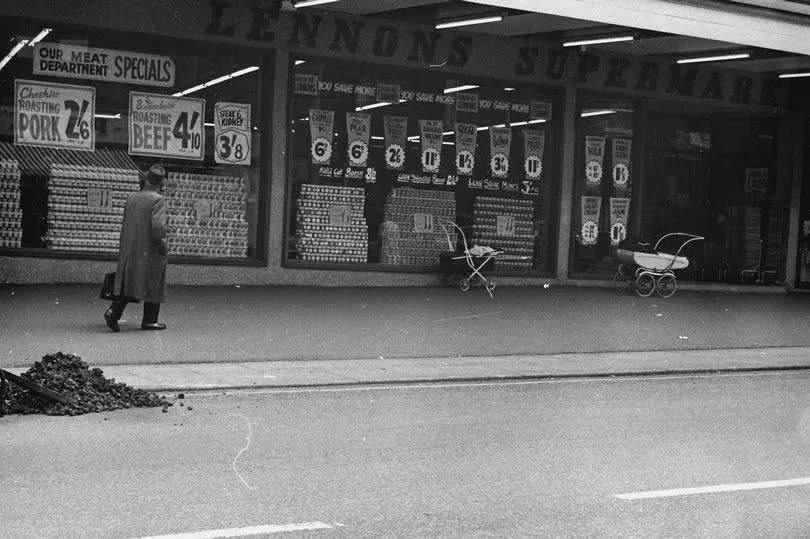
pixel 142 251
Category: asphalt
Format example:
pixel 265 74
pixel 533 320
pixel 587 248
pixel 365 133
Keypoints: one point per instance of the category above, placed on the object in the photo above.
pixel 255 337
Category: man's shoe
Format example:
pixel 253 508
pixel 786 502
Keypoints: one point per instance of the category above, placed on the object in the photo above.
pixel 112 322
pixel 156 326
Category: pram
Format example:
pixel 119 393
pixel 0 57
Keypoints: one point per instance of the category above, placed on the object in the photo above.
pixel 650 270
pixel 464 266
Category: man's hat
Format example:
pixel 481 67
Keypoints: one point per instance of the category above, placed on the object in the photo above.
pixel 155 174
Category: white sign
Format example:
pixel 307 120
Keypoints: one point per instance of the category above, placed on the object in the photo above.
pixel 340 215
pixel 423 223
pixel 394 156
pixel 505 225
pixel 99 198
pixel 166 126
pixel 58 60
pixel 232 126
pixel 430 159
pixel 52 115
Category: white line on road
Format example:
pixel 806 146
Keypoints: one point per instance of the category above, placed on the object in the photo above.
pixel 467 317
pixel 714 488
pixel 242 532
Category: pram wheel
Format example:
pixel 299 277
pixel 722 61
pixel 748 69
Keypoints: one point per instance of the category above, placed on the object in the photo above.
pixel 645 284
pixel 666 285
pixel 464 285
pixel 490 285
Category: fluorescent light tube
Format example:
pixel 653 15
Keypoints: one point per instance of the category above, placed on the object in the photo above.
pixel 372 106
pixel 209 124
pixel 527 122
pixel 596 113
pixel 377 137
pixel 217 80
pixel 597 40
pixel 448 133
pixel 508 89
pixel 467 22
pixel 110 116
pixel 460 88
pixel 794 75
pixel 40 36
pixel 714 58
pixel 299 62
pixel 308 3
pixel 22 43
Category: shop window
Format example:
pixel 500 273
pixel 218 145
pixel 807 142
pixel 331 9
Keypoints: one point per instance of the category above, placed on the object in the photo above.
pixel 81 113
pixel 714 175
pixel 604 184
pixel 385 162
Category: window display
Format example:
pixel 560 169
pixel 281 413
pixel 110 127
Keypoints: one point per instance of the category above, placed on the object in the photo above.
pixel 83 113
pixel 425 152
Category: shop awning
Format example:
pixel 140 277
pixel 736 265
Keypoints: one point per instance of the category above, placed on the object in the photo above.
pixel 36 161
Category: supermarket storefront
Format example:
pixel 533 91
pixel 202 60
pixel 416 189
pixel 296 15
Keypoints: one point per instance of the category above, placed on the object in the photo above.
pixel 314 148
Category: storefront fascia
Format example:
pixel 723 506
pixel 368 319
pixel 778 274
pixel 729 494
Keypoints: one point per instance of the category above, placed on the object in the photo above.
pixel 316 34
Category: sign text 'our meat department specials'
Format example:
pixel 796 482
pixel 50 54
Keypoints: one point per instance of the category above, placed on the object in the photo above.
pixel 58 60
pixel 53 115
pixel 166 126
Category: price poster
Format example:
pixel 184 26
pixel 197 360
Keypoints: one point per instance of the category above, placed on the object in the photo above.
pixel 99 198
pixel 358 129
pixel 321 130
pixel 431 144
pixel 340 215
pixel 423 223
pixel 305 84
pixel 756 181
pixel 594 158
pixel 534 143
pixel 51 115
pixel 621 163
pixel 232 133
pixel 540 110
pixel 166 126
pixel 466 140
pixel 467 102
pixel 388 93
pixel 500 140
pixel 591 209
pixel 396 139
pixel 505 225
pixel 619 208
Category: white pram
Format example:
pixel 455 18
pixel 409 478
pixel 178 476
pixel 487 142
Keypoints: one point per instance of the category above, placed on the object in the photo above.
pixel 652 271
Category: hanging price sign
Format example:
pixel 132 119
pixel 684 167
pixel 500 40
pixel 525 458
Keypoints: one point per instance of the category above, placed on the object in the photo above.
pixel 54 115
pixel 618 232
pixel 593 172
pixel 321 150
pixel 505 225
pixel 166 126
pixel 232 133
pixel 500 139
pixel 340 215
pixel 533 167
pixel 431 131
pixel 321 129
pixel 394 156
pixel 423 223
pixel 589 232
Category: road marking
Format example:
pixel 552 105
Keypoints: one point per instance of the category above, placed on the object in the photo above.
pixel 714 488
pixel 242 532
pixel 467 317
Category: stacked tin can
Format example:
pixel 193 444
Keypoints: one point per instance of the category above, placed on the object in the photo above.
pixel 518 246
pixel 207 215
pixel 402 243
pixel 86 206
pixel 330 226
pixel 10 212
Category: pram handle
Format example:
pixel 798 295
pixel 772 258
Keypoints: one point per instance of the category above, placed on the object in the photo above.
pixel 692 237
pixel 450 246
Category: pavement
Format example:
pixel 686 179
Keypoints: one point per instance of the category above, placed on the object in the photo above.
pixel 270 337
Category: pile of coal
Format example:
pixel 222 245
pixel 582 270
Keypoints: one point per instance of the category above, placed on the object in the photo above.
pixel 87 389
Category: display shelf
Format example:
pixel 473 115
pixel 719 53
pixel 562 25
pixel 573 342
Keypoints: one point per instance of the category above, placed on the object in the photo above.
pixel 407 242
pixel 86 206
pixel 330 224
pixel 206 215
pixel 10 211
pixel 517 229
